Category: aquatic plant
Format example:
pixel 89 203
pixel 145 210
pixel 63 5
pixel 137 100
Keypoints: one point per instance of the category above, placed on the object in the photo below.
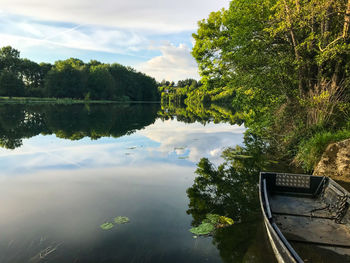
pixel 107 226
pixel 226 220
pixel 213 218
pixel 210 223
pixel 203 229
pixel 121 220
pixel 117 220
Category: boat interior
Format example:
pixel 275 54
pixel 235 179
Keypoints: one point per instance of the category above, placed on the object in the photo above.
pixel 312 213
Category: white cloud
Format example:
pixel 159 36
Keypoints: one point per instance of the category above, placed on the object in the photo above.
pixel 198 141
pixel 155 15
pixel 22 35
pixel 175 63
pixel 112 26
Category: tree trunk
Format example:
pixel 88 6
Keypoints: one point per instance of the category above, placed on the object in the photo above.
pixel 346 21
pixel 295 46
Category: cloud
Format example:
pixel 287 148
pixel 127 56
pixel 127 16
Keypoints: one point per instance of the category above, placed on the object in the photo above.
pixel 196 142
pixel 175 63
pixel 22 33
pixel 155 15
pixel 108 30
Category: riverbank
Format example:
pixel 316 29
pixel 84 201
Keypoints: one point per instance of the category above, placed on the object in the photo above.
pixel 35 100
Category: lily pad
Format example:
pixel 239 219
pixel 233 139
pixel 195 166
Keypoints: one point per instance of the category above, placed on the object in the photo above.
pixel 107 226
pixel 214 219
pixel 203 229
pixel 121 220
pixel 210 223
pixel 183 157
pixel 226 220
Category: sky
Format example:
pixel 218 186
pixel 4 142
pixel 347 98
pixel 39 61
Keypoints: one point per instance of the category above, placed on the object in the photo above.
pixel 153 36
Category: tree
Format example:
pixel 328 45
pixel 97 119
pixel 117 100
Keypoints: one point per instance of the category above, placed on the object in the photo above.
pixel 9 59
pixel 10 84
pixel 101 84
pixel 30 73
pixel 317 33
pixel 67 79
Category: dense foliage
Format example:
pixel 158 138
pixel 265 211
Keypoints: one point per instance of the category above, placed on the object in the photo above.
pixel 282 65
pixel 72 78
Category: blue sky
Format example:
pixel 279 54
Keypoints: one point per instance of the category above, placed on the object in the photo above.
pixel 153 36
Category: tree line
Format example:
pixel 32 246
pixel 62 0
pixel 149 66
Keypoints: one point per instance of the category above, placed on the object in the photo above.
pixel 73 122
pixel 284 68
pixel 72 78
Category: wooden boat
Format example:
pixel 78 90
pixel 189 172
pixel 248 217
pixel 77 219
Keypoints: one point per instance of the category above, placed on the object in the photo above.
pixel 307 217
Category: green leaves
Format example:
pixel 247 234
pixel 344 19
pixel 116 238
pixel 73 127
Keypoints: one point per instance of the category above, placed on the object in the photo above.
pixel 107 226
pixel 203 229
pixel 121 220
pixel 210 223
pixel 117 220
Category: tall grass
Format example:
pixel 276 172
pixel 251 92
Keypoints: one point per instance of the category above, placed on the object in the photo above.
pixel 311 150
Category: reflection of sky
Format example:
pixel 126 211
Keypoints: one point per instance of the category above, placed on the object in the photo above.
pixel 162 142
pixel 71 187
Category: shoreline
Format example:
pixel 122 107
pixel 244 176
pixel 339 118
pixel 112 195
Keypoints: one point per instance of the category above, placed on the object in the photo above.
pixel 33 100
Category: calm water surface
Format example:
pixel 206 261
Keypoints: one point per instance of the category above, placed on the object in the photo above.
pixel 65 170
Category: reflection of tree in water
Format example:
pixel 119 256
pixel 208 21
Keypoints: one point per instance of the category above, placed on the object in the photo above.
pixel 231 190
pixel 200 113
pixel 72 122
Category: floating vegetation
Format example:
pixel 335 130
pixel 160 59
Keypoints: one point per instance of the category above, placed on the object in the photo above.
pixel 210 223
pixel 117 220
pixel 107 226
pixel 183 157
pixel 213 218
pixel 226 220
pixel 121 220
pixel 203 229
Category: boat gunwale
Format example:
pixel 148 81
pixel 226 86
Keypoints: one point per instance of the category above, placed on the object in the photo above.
pixel 292 254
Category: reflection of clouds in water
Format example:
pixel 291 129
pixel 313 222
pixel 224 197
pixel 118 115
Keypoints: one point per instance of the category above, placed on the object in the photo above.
pixel 200 141
pixel 168 141
pixel 47 198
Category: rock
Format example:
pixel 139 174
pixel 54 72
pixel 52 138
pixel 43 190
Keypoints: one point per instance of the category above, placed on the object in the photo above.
pixel 335 161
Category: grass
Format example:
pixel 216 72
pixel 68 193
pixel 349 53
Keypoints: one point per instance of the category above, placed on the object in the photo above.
pixel 34 100
pixel 311 150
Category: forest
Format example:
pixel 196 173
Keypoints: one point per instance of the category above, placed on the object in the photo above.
pixel 72 78
pixel 282 67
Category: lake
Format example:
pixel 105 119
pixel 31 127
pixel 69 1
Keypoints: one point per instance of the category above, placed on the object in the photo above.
pixel 67 170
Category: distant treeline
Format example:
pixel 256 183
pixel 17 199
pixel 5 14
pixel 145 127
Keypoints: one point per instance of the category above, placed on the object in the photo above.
pixel 73 122
pixel 72 78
